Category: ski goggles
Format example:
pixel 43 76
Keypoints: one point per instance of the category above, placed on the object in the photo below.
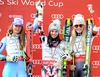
pixel 80 25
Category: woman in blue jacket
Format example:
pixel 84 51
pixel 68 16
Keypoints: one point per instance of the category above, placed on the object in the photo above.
pixel 14 43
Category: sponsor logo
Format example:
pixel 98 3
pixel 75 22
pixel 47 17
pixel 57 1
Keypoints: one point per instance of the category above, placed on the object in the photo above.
pixel 37 46
pixel 96 47
pixel 13 16
pixel 88 42
pixel 96 64
pixel 57 16
pixel 73 16
pixel 37 61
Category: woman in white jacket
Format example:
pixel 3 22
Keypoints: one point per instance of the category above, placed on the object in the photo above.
pixel 52 51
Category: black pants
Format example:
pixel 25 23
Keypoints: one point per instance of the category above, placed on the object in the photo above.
pixel 78 71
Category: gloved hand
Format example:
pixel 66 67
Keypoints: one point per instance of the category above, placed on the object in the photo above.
pixel 67 56
pixel 64 54
pixel 64 49
pixel 72 67
pixel 12 58
pixel 90 8
pixel 39 7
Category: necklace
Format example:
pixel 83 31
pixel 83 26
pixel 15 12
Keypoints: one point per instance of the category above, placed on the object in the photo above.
pixel 77 47
pixel 53 52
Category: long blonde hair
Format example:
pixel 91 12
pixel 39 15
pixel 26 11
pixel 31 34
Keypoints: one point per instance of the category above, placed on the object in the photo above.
pixel 21 36
pixel 83 39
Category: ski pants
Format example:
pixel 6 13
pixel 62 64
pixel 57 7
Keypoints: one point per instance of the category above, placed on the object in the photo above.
pixel 14 69
pixel 50 71
pixel 78 71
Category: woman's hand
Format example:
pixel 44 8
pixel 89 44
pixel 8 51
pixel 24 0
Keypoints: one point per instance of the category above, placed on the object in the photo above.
pixel 12 58
pixel 72 67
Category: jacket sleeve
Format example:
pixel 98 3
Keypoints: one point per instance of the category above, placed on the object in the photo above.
pixel 96 23
pixel 96 19
pixel 2 46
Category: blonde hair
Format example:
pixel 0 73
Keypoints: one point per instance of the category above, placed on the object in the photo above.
pixel 83 39
pixel 21 36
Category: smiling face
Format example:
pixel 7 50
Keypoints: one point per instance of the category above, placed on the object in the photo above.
pixel 54 33
pixel 79 28
pixel 17 29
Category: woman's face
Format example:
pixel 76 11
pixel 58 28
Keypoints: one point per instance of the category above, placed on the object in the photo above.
pixel 54 33
pixel 79 28
pixel 16 29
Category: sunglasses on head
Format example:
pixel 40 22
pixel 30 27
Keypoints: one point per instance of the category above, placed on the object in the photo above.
pixel 80 25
